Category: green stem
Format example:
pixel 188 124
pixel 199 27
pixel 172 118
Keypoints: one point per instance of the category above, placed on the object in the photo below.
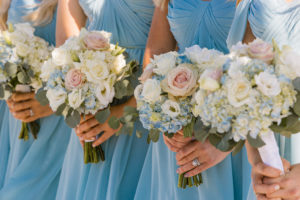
pixel 180 179
pixel 200 178
pixel 195 180
pixel 190 182
pixel 26 132
pixel 21 135
pixel 185 181
pixel 86 156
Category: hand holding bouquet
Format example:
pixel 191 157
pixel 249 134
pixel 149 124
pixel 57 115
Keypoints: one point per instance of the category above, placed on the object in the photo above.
pixel 83 77
pixel 22 55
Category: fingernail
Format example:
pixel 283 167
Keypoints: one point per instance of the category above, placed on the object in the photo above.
pixel 81 138
pixel 276 187
pixel 177 171
pixel 186 175
pixel 94 145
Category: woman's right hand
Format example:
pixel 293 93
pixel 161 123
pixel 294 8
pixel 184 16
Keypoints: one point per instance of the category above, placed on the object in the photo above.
pixel 177 142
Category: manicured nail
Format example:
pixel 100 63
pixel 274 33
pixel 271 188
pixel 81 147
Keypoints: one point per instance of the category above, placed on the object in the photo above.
pixel 276 187
pixel 186 175
pixel 94 145
pixel 177 171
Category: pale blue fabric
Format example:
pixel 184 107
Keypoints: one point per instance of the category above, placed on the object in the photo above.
pixel 116 178
pixel 271 19
pixel 207 24
pixel 4 141
pixel 33 166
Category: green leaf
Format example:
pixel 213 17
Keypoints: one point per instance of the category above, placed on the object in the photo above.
pixel 255 142
pixel 238 147
pixel 102 116
pixel 139 133
pixel 11 69
pixel 296 83
pixel 296 107
pixel 226 143
pixel 130 110
pixel 60 109
pixel 73 119
pixel 2 91
pixel 121 89
pixel 127 129
pixel 154 135
pixel 41 97
pixel 201 132
pixel 214 139
pixel 189 129
pixel 23 77
pixel 114 122
pixel 289 125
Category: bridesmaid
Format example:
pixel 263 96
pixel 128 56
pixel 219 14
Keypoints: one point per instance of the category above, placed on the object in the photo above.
pixel 115 178
pixel 279 20
pixel 183 24
pixel 33 166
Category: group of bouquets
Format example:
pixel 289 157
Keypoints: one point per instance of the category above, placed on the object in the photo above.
pixel 227 99
pixel 21 57
pixel 84 76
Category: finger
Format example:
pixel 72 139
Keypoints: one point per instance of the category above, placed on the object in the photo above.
pixel 105 136
pixel 30 119
pixel 17 97
pixel 85 118
pixel 187 149
pixel 22 115
pixel 265 189
pixel 87 125
pixel 197 170
pixel 286 164
pixel 170 146
pixel 283 181
pixel 189 158
pixel 285 193
pixel 22 105
pixel 174 143
pixel 92 133
pixel 266 170
pixel 180 138
pixel 261 197
pixel 185 168
pixel 78 133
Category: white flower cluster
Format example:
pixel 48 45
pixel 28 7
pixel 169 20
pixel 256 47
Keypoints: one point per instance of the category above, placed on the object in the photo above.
pixel 254 91
pixel 82 73
pixel 20 46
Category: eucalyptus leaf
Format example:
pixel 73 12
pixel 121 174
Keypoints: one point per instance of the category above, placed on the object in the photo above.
pixel 226 143
pixel 238 147
pixel 114 122
pixel 139 133
pixel 296 107
pixel 289 125
pixel 11 69
pixel 214 139
pixel 130 110
pixel 102 116
pixel 188 129
pixel 296 83
pixel 23 77
pixel 2 91
pixel 255 142
pixel 201 132
pixel 60 109
pixel 41 97
pixel 154 135
pixel 73 119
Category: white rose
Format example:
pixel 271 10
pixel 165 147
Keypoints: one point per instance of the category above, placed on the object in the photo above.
pixel 56 97
pixel 105 94
pixel 171 108
pixel 268 84
pixel 199 97
pixel 96 71
pixel 118 64
pixel 236 66
pixel 164 62
pixel 61 56
pixel 289 63
pixel 151 90
pixel 209 79
pixel 75 98
pixel 238 91
pixel 239 49
pixel 22 50
pixel 47 68
pixel 25 28
pixel 138 91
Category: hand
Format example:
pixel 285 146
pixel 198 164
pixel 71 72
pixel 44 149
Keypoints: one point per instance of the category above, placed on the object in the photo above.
pixel 26 108
pixel 289 184
pixel 207 155
pixel 259 171
pixel 176 142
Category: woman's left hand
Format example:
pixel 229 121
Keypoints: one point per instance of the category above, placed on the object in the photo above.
pixel 289 184
pixel 26 108
pixel 207 155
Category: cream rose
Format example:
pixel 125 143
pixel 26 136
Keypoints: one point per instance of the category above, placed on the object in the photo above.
pixel 210 78
pixel 74 79
pixel 261 50
pixel 151 90
pixel 164 63
pixel 238 91
pixel 118 64
pixel 181 81
pixel 25 28
pixel 75 99
pixel 96 71
pixel 56 97
pixel 96 41
pixel 61 56
pixel 268 84
pixel 171 108
pixel 289 63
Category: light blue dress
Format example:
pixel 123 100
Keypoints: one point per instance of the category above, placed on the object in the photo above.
pixel 271 19
pixel 207 24
pixel 33 166
pixel 115 178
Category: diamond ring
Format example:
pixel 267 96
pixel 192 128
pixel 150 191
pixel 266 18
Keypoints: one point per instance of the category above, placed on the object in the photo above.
pixel 196 162
pixel 31 113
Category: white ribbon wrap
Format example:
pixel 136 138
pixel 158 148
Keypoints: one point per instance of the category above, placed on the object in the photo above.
pixel 270 152
pixel 23 88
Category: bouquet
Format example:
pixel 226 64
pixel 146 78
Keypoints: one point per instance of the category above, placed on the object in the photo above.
pixel 164 97
pixel 22 55
pixel 256 95
pixel 83 77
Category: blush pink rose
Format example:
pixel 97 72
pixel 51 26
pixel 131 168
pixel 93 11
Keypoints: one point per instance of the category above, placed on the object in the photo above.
pixel 180 81
pixel 74 79
pixel 148 72
pixel 96 41
pixel 261 50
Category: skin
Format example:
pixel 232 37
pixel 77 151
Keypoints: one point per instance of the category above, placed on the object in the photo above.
pixel 70 19
pixel 161 41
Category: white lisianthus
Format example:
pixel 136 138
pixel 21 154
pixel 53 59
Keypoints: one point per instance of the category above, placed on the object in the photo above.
pixel 151 90
pixel 25 28
pixel 209 79
pixel 289 63
pixel 236 67
pixel 268 84
pixel 96 71
pixel 138 91
pixel 56 97
pixel 239 49
pixel 164 62
pixel 105 94
pixel 238 91
pixel 75 99
pixel 61 56
pixel 171 108
pixel 118 64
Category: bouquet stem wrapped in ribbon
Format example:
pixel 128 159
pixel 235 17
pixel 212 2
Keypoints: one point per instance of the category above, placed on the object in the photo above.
pixel 83 77
pixel 21 57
